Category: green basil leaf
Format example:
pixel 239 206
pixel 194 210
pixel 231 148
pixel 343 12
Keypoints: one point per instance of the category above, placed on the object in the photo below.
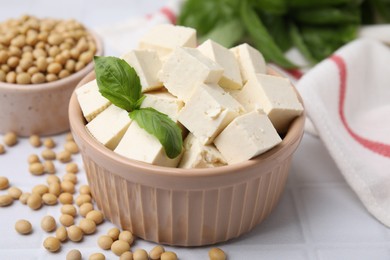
pixel 118 82
pixel 162 127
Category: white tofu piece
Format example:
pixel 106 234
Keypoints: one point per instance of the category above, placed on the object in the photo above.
pixel 109 126
pixel 164 102
pixel 231 77
pixel 209 110
pixel 139 145
pixel 197 155
pixel 91 101
pixel 275 95
pixel 147 64
pixel 246 137
pixel 185 68
pixel 250 61
pixel 164 38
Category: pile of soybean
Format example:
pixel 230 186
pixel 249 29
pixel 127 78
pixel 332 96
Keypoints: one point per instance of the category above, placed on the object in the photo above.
pixel 35 51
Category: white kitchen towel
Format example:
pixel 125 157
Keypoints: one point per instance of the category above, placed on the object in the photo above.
pixel 347 97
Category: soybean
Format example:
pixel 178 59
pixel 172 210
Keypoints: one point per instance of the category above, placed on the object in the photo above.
pixel 96 216
pixel 23 227
pixel 10 139
pixel 126 256
pixel 15 192
pixel 140 254
pixel 87 226
pixel 35 141
pixel 119 247
pixel 113 233
pixel 52 244
pixel 62 233
pixel 4 183
pixel 217 254
pixel 75 234
pixel 48 223
pixel 105 242
pixel 73 254
pixel 156 252
pixel 168 255
pixel 34 201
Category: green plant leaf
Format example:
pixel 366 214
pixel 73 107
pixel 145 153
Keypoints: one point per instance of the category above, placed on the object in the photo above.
pixel 262 38
pixel 118 82
pixel 226 34
pixel 162 127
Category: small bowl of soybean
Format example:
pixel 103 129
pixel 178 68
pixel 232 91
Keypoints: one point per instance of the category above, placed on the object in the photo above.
pixel 41 62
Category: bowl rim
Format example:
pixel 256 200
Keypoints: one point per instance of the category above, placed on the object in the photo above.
pixel 59 82
pixel 280 152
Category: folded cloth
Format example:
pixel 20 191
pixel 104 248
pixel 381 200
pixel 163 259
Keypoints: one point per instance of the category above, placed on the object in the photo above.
pixel 347 97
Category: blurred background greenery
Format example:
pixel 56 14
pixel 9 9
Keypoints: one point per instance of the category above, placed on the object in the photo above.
pixel 315 27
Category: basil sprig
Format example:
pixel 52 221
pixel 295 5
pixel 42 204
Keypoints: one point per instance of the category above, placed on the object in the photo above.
pixel 119 83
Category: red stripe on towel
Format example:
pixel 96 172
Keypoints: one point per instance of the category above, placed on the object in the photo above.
pixel 377 147
pixel 169 14
pixel 296 73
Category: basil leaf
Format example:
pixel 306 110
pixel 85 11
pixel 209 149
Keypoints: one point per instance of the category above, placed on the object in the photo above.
pixel 118 82
pixel 162 127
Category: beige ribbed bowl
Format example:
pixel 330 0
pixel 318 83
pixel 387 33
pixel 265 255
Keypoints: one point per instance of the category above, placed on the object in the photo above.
pixel 40 108
pixel 184 207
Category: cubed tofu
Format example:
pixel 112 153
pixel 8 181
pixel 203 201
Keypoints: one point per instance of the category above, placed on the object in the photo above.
pixel 275 95
pixel 109 126
pixel 197 155
pixel 139 145
pixel 250 61
pixel 91 101
pixel 164 102
pixel 185 68
pixel 209 110
pixel 147 64
pixel 246 137
pixel 164 38
pixel 231 77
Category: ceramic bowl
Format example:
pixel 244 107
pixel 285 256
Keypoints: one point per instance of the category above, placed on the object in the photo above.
pixel 184 207
pixel 40 108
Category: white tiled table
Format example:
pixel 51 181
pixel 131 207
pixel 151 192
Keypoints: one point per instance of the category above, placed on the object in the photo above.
pixel 318 217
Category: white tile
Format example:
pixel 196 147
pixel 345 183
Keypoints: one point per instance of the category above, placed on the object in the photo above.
pixel 313 164
pixel 354 253
pixel 274 254
pixel 281 227
pixel 335 215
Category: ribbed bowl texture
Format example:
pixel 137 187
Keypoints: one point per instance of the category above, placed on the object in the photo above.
pixel 184 207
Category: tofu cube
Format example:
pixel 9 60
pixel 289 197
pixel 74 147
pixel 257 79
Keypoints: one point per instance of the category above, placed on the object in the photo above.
pixel 164 38
pixel 246 137
pixel 209 110
pixel 231 77
pixel 109 126
pixel 197 155
pixel 91 101
pixel 185 68
pixel 147 64
pixel 250 61
pixel 139 145
pixel 275 95
pixel 164 102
